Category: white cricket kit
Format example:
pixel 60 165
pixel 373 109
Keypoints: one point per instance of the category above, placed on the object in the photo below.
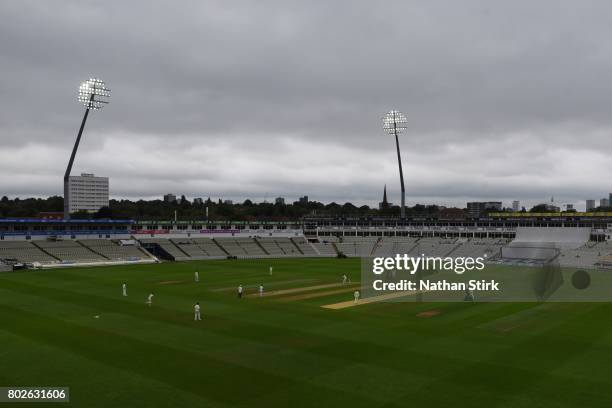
pixel 261 290
pixel 197 277
pixel 150 299
pixel 124 287
pixel 196 309
pixel 356 295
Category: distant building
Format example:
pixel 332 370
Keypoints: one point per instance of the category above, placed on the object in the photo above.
pixel 384 204
pixel 516 205
pixel 169 198
pixel 228 202
pixel 198 201
pixel 303 200
pixel 570 207
pixel 279 201
pixel 609 197
pixel 590 205
pixel 604 202
pixel 87 192
pixel 476 209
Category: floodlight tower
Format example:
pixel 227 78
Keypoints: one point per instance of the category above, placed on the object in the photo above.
pixel 394 123
pixel 92 94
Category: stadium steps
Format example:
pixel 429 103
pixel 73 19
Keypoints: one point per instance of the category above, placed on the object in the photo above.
pixel 375 246
pixel 261 246
pixel 145 252
pixel 296 247
pixel 459 245
pixel 92 250
pixel 333 244
pixel 43 250
pixel 220 246
pixel 179 248
pixel 315 248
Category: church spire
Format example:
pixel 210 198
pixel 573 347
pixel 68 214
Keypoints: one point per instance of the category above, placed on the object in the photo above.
pixel 385 202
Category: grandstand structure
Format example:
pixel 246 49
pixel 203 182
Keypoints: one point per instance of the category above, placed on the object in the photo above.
pixel 576 241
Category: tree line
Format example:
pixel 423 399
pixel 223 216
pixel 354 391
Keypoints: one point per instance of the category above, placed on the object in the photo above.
pixel 217 210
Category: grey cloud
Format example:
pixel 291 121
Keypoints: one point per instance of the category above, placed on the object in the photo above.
pixel 242 99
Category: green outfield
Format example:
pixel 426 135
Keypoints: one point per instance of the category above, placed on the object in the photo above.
pixel 285 349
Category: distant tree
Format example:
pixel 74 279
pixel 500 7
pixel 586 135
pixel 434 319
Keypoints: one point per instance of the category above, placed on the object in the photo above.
pixel 104 213
pixel 80 215
pixel 538 208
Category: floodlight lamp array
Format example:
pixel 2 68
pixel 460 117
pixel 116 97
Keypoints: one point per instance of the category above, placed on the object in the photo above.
pixel 395 122
pixel 93 93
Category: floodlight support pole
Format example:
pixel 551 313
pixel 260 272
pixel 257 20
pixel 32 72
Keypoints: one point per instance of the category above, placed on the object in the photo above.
pixel 401 173
pixel 69 168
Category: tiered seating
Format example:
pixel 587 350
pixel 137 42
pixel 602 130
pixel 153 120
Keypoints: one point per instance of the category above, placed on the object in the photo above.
pixel 250 246
pixel 112 250
pixel 433 247
pixel 24 251
pixel 167 246
pixel 587 256
pixel 231 246
pixel 68 250
pixel 304 246
pixel 209 246
pixel 325 248
pixel 191 249
pixel 287 246
pixel 476 248
pixel 390 246
pixel 270 246
pixel 357 246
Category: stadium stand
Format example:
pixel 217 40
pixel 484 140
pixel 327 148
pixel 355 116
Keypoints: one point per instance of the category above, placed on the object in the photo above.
pixel 111 249
pixel 287 246
pixel 190 248
pixel 305 247
pixel 561 237
pixel 434 247
pixel 69 251
pixel 231 246
pixel 210 247
pixel 479 247
pixel 168 246
pixel 389 246
pixel 357 246
pixel 591 254
pixel 325 248
pixel 251 247
pixel 279 246
pixel 24 251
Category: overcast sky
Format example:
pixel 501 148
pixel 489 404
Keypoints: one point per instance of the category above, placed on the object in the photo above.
pixel 253 99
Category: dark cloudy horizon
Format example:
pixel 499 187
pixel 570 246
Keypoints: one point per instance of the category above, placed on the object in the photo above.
pixel 505 100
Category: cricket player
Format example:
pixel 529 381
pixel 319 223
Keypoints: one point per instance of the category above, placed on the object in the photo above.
pixel 197 277
pixel 196 309
pixel 270 270
pixel 344 279
pixel 261 290
pixel 124 288
pixel 239 291
pixel 356 294
pixel 150 298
